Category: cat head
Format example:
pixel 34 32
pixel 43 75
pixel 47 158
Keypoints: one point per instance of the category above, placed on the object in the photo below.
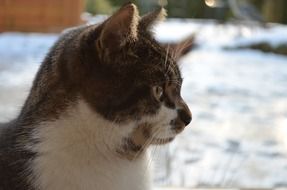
pixel 121 72
pixel 130 77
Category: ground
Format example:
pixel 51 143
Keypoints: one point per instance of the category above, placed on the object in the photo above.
pixel 238 136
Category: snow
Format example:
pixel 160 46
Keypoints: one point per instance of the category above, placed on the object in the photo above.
pixel 239 104
pixel 238 107
pixel 21 55
pixel 238 136
pixel 230 35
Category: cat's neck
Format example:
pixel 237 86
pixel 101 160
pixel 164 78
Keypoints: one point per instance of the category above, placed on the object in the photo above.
pixel 52 90
pixel 82 146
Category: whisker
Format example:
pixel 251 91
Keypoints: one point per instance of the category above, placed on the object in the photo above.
pixel 150 158
pixel 156 132
pixel 144 146
pixel 175 81
pixel 166 57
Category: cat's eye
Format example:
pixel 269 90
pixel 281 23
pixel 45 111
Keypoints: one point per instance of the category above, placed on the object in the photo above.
pixel 158 92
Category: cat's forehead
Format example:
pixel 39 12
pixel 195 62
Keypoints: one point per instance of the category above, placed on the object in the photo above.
pixel 164 58
pixel 173 72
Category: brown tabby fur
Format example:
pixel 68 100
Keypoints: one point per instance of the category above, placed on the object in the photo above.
pixel 113 68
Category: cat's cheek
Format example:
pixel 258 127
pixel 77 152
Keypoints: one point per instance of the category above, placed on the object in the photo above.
pixel 162 128
pixel 164 132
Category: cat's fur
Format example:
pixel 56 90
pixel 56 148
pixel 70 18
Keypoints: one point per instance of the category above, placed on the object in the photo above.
pixel 103 94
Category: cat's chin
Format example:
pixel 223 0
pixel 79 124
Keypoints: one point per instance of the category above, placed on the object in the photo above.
pixel 161 141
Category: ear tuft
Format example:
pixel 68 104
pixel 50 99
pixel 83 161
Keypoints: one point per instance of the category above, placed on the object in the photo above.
pixel 134 22
pixel 120 28
pixel 148 20
pixel 162 15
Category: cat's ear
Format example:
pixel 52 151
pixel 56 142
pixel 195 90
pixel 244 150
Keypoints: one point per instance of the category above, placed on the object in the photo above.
pixel 181 48
pixel 148 20
pixel 120 28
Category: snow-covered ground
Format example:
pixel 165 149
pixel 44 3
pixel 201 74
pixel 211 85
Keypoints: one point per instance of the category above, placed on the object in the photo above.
pixel 238 137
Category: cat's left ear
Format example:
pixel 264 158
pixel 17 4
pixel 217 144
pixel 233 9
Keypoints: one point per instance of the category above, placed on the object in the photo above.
pixel 148 20
pixel 180 49
pixel 120 28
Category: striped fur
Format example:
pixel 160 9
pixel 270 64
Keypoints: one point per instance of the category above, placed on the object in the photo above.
pixel 92 111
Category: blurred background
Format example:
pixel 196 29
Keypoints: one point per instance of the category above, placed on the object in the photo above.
pixel 235 81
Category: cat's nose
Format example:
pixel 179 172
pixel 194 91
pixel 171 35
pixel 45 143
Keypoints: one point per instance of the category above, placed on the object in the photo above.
pixel 185 116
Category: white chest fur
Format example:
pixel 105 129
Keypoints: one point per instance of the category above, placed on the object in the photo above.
pixel 77 152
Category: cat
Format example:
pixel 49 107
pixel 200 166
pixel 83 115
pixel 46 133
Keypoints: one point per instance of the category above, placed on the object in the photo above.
pixel 103 95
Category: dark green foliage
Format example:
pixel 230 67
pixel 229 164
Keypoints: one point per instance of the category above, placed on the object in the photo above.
pixel 99 7
pixel 183 8
pixel 143 5
pixel 264 47
pixel 193 8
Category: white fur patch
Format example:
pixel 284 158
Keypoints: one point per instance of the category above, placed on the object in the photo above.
pixel 161 123
pixel 77 152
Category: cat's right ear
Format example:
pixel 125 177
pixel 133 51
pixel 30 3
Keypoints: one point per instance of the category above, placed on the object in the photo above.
pixel 179 49
pixel 120 28
pixel 147 21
